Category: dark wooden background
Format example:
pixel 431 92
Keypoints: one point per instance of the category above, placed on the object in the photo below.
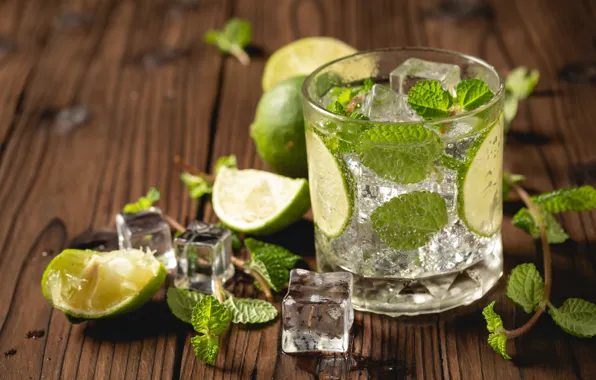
pixel 155 90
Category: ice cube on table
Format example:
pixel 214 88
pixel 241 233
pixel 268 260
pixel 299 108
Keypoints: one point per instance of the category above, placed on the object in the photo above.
pixel 413 70
pixel 204 255
pixel 147 230
pixel 317 312
pixel 384 104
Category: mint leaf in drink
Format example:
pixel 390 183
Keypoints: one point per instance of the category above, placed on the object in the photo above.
pixel 357 116
pixel 525 286
pixel 337 108
pixel 197 186
pixel 429 100
pixel 521 82
pixel 556 234
pixel 182 302
pixel 345 96
pixel 205 347
pixel 562 200
pixel 472 93
pixel 368 84
pixel 498 342
pixel 225 162
pixel 408 221
pixel 576 317
pixel 494 323
pixel 210 317
pixel 235 36
pixel 271 261
pixel 248 310
pixel 143 203
pixel 515 178
pixel 400 153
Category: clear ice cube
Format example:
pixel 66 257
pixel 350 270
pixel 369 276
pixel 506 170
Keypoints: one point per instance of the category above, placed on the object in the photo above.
pixel 412 70
pixel 147 230
pixel 317 312
pixel 204 254
pixel 384 104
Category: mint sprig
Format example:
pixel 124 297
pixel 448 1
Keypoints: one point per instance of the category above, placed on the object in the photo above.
pixel 525 287
pixel 249 310
pixel 181 302
pixel 271 261
pixel 576 317
pixel 210 319
pixel 430 100
pixel 472 93
pixel 235 36
pixel 143 203
pixel 519 85
pixel 226 162
pixel 197 185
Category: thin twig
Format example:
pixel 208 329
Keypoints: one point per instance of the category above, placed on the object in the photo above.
pixel 241 55
pixel 180 162
pixel 219 293
pixel 264 286
pixel 173 223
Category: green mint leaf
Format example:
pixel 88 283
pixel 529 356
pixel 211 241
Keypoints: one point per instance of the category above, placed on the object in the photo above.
pixel 143 203
pixel 494 323
pixel 182 302
pixel 258 266
pixel 368 84
pixel 429 100
pixel 472 93
pixel 337 108
pixel 562 200
pixel 515 178
pixel 345 97
pixel 210 317
pixel 498 342
pixel 525 286
pixel 211 36
pixel 238 32
pixel 248 310
pixel 206 347
pixel 555 233
pixel 576 317
pixel 510 106
pixel 520 82
pixel 357 116
pixel 400 153
pixel 271 252
pixel 225 162
pixel 197 186
pixel 408 221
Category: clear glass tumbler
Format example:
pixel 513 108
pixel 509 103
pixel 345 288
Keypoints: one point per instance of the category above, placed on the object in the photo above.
pixel 412 208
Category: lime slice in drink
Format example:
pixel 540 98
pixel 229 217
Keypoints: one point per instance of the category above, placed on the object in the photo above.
pixel 89 284
pixel 302 57
pixel 480 184
pixel 258 202
pixel 329 187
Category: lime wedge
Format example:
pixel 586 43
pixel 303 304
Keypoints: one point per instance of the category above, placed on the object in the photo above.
pixel 480 184
pixel 258 202
pixel 89 284
pixel 329 187
pixel 302 57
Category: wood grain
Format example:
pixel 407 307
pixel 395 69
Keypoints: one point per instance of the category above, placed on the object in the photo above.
pixel 154 90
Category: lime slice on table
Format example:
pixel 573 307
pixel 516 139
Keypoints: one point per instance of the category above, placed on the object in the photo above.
pixel 258 202
pixel 329 187
pixel 480 183
pixel 89 284
pixel 302 57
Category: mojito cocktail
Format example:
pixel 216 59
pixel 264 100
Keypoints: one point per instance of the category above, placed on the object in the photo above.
pixel 405 170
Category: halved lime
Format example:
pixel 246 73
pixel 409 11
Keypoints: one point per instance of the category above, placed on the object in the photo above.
pixel 480 185
pixel 258 202
pixel 329 187
pixel 89 284
pixel 302 57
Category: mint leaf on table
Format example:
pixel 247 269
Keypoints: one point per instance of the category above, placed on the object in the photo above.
pixel 554 231
pixel 182 302
pixel 521 82
pixel 498 342
pixel 205 347
pixel 210 317
pixel 400 153
pixel 575 199
pixel 226 162
pixel 472 93
pixel 408 221
pixel 197 186
pixel 515 178
pixel 143 203
pixel 576 317
pixel 494 323
pixel 525 286
pixel 430 100
pixel 337 108
pixel 249 310
pixel 271 261
pixel 235 36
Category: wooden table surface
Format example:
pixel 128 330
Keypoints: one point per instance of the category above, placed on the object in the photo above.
pixel 155 90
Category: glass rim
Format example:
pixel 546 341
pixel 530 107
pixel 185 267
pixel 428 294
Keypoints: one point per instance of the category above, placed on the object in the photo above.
pixel 496 98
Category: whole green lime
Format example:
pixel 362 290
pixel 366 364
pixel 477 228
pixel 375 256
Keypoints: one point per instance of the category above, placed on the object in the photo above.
pixel 278 128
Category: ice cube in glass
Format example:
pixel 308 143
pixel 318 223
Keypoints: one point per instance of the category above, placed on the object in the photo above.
pixel 204 255
pixel 384 104
pixel 413 70
pixel 147 229
pixel 317 312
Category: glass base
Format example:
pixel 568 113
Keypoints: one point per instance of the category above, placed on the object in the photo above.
pixel 401 296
